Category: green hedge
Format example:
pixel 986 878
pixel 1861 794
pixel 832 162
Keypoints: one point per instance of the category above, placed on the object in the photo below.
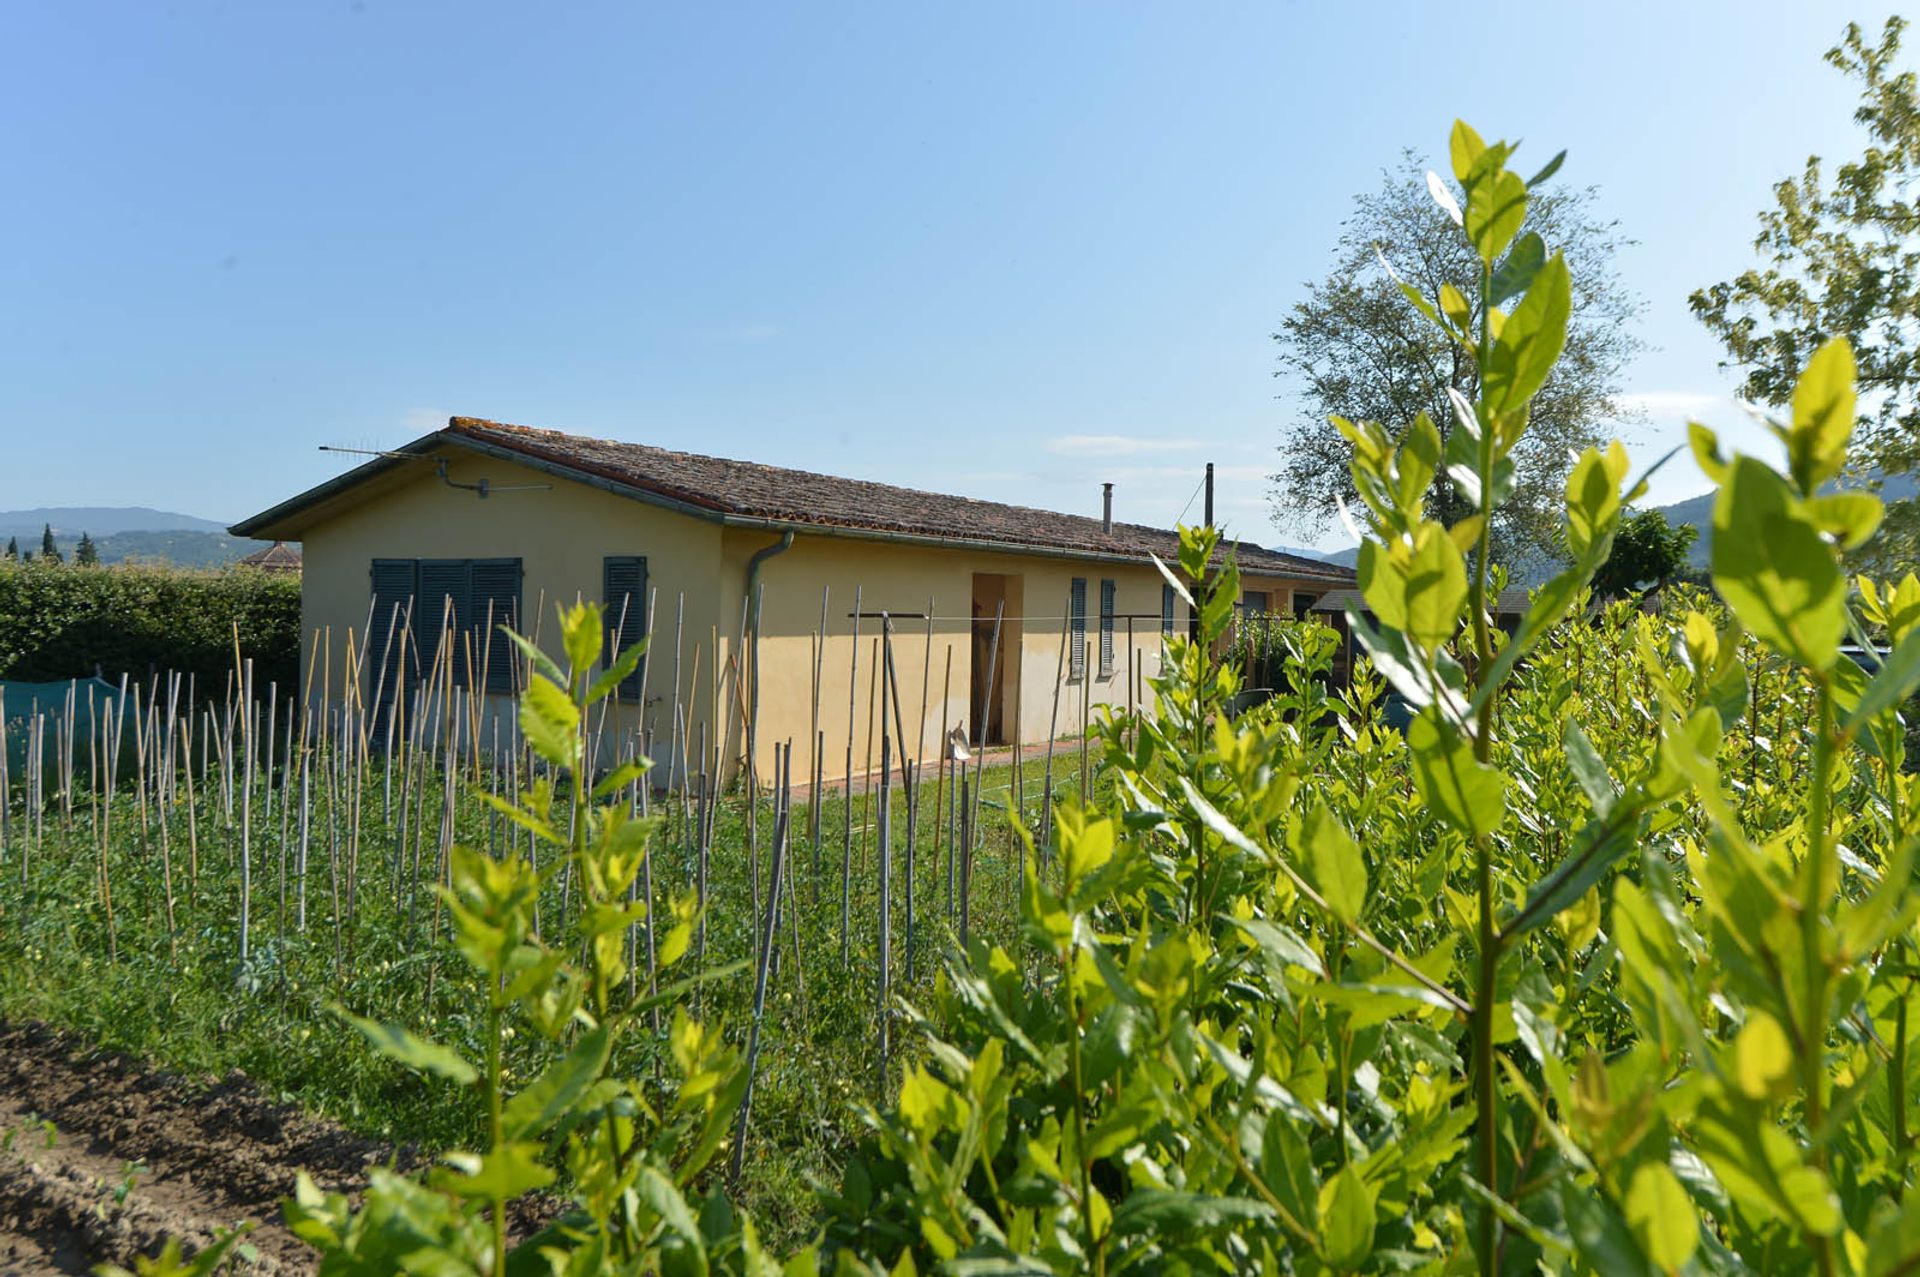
pixel 59 621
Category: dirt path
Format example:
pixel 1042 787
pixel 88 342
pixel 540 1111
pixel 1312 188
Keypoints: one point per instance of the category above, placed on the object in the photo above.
pixel 210 1156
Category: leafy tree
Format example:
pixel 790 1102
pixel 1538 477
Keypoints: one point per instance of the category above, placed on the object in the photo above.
pixel 86 554
pixel 48 550
pixel 1647 551
pixel 13 548
pixel 1840 257
pixel 1354 348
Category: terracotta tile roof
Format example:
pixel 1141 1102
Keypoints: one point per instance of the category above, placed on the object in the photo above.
pixel 278 557
pixel 747 489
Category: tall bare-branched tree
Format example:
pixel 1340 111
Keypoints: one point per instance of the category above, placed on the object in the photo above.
pixel 1355 347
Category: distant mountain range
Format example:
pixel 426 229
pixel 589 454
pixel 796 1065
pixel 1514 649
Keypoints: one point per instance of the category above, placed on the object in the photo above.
pixel 1345 558
pixel 128 534
pixel 99 521
pixel 1697 511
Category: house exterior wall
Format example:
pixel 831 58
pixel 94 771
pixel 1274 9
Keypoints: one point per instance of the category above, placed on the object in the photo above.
pixel 933 664
pixel 697 571
pixel 561 535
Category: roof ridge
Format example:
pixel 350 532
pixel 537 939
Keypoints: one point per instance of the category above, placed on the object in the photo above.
pixel 784 496
pixel 483 423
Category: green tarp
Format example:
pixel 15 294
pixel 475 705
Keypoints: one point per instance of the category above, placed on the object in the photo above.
pixel 95 710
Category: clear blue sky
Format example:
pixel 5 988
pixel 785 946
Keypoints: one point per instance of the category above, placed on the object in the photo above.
pixel 1009 250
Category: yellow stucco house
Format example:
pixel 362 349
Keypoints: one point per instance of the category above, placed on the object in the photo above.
pixel 483 522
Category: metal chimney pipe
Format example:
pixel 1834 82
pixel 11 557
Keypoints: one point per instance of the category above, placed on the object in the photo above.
pixel 1209 494
pixel 1106 508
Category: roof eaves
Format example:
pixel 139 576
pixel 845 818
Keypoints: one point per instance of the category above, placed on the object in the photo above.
pixel 472 433
pixel 475 434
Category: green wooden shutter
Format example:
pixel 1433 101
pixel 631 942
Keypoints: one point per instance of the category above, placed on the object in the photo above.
pixel 445 608
pixel 1077 630
pixel 1167 597
pixel 624 593
pixel 495 599
pixel 388 663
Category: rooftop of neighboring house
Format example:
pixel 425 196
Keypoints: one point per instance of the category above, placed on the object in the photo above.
pixel 1512 602
pixel 278 557
pixel 746 493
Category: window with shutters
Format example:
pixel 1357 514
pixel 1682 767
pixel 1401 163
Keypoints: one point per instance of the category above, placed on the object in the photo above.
pixel 1167 597
pixel 624 595
pixel 1077 629
pixel 390 665
pixel 1106 629
pixel 441 619
pixel 435 616
pixel 494 601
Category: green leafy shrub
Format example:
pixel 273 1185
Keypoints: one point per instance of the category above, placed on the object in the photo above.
pixel 58 622
pixel 1605 967
pixel 631 1152
pixel 1267 647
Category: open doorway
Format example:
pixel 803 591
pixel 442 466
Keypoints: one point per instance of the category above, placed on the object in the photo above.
pixel 995 707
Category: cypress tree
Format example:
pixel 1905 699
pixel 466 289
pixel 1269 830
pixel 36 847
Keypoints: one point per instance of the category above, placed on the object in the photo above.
pixel 48 550
pixel 13 549
pixel 86 554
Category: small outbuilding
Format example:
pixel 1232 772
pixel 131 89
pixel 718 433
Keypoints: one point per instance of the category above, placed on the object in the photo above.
pixel 765 591
pixel 278 557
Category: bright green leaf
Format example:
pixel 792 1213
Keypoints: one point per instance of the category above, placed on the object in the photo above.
pixel 503 1174
pixel 1346 1219
pixel 1496 206
pixel 1532 339
pixel 1464 148
pixel 1762 1056
pixel 411 1050
pixel 559 1087
pixel 1334 861
pixel 550 722
pixel 1823 416
pixel 1466 793
pixel 1662 1216
pixel 1523 261
pixel 1589 771
pixel 1286 1164
pixel 1436 586
pixel 1774 569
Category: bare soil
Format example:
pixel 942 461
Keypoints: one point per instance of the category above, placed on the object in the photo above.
pixel 201 1156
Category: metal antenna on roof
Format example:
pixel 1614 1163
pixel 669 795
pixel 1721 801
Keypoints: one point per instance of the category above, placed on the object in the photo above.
pixel 372 452
pixel 484 487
